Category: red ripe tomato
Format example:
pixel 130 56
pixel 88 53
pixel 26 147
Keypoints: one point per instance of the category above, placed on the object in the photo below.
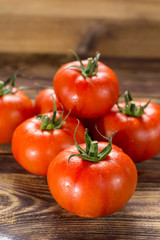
pixel 34 148
pixel 139 137
pixel 87 88
pixel 44 101
pixel 92 189
pixel 15 107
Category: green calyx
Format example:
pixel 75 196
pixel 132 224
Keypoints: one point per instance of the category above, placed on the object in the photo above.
pixel 6 87
pixel 51 123
pixel 130 106
pixel 91 153
pixel 91 68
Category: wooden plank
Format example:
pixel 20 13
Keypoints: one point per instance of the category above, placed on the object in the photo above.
pixel 136 39
pixel 116 28
pixel 5 149
pixel 58 35
pixel 26 201
pixel 110 9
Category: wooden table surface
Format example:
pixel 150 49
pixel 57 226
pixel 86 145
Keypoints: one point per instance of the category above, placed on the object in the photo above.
pixel 27 209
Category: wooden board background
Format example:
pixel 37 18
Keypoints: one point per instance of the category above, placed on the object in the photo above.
pixel 27 209
pixel 117 28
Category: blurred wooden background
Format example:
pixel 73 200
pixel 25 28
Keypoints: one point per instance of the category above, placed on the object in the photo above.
pixel 116 28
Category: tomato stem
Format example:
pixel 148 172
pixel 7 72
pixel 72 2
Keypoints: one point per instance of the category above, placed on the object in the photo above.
pixel 6 87
pixel 52 123
pixel 1 88
pixel 91 68
pixel 91 154
pixel 93 151
pixel 130 106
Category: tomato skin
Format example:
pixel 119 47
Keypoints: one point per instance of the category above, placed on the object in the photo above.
pixel 138 137
pixel 90 189
pixel 34 148
pixel 44 101
pixel 14 109
pixel 86 98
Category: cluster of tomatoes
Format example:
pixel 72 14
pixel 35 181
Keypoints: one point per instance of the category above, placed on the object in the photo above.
pixel 90 178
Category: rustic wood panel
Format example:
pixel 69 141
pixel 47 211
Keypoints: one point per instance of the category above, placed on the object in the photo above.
pixel 29 212
pixel 5 149
pixel 116 28
pixel 136 39
pixel 110 9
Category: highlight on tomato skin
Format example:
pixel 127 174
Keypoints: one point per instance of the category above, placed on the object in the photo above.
pixel 87 88
pixel 92 189
pixel 138 130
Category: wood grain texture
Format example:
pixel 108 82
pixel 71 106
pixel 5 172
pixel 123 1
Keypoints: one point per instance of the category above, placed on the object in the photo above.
pixel 118 28
pixel 110 9
pixel 27 209
pixel 29 212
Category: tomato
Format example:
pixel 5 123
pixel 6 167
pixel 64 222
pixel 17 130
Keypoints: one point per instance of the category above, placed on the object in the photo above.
pixel 91 188
pixel 15 107
pixel 44 101
pixel 87 88
pixel 35 144
pixel 139 137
